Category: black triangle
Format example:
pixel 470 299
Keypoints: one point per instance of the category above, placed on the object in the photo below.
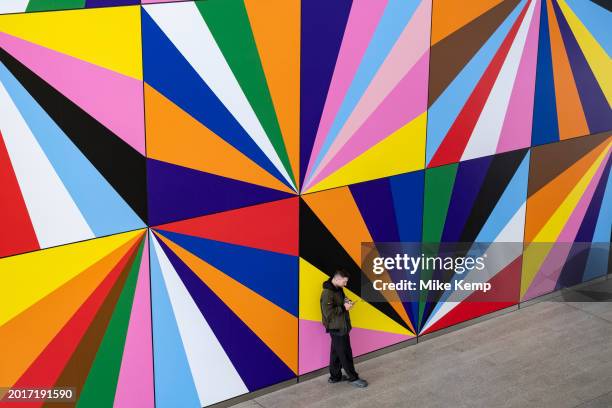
pixel 119 163
pixel 319 247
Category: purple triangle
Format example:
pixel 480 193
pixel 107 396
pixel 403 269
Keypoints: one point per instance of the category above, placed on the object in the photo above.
pixel 469 179
pixel 375 203
pixel 323 24
pixel 587 228
pixel 177 192
pixel 107 3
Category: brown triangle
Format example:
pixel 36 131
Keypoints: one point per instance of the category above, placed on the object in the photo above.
pixel 549 160
pixel 449 56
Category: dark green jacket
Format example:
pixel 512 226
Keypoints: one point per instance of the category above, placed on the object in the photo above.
pixel 336 318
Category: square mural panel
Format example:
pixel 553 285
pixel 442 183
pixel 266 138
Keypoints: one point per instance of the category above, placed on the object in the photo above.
pixel 72 138
pixel 364 90
pixel 509 74
pixel 225 310
pixel 222 98
pixel 333 225
pixel 567 232
pixel 479 200
pixel 79 316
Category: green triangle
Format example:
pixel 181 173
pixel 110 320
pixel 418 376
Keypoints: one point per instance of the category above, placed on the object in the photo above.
pixel 229 23
pixel 101 384
pixel 46 5
pixel 439 183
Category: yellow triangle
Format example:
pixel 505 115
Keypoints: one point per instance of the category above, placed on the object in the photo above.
pixel 534 256
pixel 364 315
pixel 29 277
pixel 597 58
pixel 108 37
pixel 401 152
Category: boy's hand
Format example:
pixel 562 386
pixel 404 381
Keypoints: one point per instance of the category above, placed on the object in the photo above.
pixel 348 305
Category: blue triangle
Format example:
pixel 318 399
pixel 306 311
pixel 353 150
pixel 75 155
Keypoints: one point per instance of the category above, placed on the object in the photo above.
pixel 270 274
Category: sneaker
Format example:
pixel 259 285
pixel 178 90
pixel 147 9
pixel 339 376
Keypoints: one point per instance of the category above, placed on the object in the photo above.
pixel 359 383
pixel 334 380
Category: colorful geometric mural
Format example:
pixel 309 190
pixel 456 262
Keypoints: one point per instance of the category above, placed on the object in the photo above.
pixel 178 179
pixel 364 90
pixel 333 224
pixel 72 147
pixel 569 205
pixel 479 200
pixel 509 74
pixel 81 317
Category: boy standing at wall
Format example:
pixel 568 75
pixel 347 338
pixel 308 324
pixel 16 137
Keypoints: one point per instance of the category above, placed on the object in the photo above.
pixel 335 307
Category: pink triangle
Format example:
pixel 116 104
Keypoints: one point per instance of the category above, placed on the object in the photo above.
pixel 393 113
pixel 135 384
pixel 360 28
pixel 516 130
pixel 315 343
pixel 113 99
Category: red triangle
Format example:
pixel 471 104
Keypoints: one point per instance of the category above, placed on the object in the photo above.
pixel 270 226
pixel 505 287
pixel 14 216
pixel 454 143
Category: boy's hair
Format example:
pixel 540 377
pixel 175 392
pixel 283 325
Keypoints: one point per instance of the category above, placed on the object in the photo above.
pixel 342 273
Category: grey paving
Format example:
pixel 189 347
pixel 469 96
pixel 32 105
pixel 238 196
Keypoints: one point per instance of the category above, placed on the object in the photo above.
pixel 551 354
pixel 603 401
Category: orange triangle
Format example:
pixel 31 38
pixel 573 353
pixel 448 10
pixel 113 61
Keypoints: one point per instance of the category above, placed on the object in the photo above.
pixel 175 137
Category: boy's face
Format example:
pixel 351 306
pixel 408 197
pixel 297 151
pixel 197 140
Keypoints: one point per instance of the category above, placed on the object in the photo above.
pixel 340 281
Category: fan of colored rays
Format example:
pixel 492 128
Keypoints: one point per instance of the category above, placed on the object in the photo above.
pixel 508 74
pixel 478 201
pixel 222 100
pixel 78 316
pixel 21 6
pixel 364 90
pixel 333 225
pixel 568 226
pixel 72 145
pixel 225 292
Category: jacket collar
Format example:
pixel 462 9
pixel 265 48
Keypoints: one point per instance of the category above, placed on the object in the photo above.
pixel 329 285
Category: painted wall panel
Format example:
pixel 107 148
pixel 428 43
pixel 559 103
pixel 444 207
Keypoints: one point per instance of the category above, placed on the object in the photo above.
pixel 259 143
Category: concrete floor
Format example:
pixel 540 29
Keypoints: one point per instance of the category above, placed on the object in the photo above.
pixel 555 353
